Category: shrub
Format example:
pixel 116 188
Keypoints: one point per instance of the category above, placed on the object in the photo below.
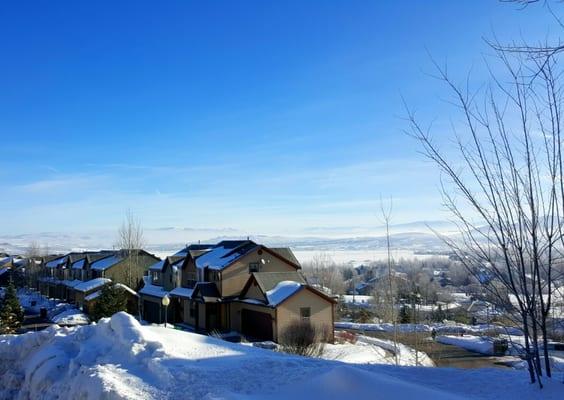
pixel 303 338
pixel 363 316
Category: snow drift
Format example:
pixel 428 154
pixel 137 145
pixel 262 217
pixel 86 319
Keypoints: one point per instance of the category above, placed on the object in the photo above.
pixel 120 359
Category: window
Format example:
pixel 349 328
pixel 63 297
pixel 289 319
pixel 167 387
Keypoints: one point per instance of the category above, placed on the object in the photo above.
pixel 305 313
pixel 192 309
pixel 253 267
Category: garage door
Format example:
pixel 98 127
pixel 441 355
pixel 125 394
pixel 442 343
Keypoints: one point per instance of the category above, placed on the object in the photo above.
pixel 256 325
pixel 151 311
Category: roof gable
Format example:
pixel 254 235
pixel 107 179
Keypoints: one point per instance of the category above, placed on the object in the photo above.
pixel 277 287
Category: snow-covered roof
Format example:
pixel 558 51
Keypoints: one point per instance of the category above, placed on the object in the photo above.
pixel 3 270
pixel 72 283
pixel 182 292
pixel 152 290
pixel 157 266
pixel 91 284
pixel 93 295
pixel 105 263
pixel 56 262
pixel 282 291
pixel 225 253
pixel 78 264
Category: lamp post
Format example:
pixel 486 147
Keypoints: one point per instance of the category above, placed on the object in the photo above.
pixel 165 302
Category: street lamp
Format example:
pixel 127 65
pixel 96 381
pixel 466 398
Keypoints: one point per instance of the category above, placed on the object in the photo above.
pixel 165 302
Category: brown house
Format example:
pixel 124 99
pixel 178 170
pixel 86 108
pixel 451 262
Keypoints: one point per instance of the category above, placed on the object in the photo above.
pixel 211 287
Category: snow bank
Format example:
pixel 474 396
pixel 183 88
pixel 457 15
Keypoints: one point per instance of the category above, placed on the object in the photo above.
pixel 120 359
pixel 483 345
pixel 71 317
pixel 444 328
pixel 90 362
pixel 342 382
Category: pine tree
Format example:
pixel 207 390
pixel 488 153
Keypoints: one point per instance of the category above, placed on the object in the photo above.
pixel 404 317
pixel 113 299
pixel 11 313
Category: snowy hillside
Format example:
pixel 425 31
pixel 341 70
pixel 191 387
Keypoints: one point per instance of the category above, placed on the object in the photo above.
pixel 121 359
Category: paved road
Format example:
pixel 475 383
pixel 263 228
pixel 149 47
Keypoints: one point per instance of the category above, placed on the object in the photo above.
pixel 444 355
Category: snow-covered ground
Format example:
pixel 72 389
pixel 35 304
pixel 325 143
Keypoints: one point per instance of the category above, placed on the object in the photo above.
pixel 119 358
pixel 368 350
pixel 440 328
pixel 477 344
pixel 57 311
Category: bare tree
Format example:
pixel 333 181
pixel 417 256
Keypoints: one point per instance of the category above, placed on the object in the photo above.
pixel 34 250
pixel 386 214
pixel 508 192
pixel 130 240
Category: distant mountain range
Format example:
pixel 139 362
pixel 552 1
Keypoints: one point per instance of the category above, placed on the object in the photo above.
pixel 414 236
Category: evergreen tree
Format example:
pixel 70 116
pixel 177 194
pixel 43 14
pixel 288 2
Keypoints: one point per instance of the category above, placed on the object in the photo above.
pixel 438 315
pixel 11 313
pixel 404 317
pixel 113 299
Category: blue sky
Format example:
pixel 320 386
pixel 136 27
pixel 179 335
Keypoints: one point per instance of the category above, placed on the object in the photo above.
pixel 263 117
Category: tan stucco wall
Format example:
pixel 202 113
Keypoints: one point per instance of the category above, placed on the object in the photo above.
pixel 321 311
pixel 235 276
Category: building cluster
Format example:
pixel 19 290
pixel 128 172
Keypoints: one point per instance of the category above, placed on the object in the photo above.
pixel 234 285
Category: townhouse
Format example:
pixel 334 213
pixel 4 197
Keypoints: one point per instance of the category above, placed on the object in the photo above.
pixel 78 277
pixel 234 285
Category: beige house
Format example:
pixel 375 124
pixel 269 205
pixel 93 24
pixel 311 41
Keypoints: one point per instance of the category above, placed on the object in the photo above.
pixel 270 302
pixel 227 286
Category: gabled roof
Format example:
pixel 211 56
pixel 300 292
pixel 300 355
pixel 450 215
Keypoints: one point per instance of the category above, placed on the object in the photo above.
pixel 158 266
pixel 287 253
pixel 105 263
pixel 268 280
pixel 225 253
pixel 79 264
pixel 282 291
pixel 277 287
pixel 182 292
pixel 176 260
pixel 55 263
pixel 149 289
pixel 194 249
pixel 91 284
